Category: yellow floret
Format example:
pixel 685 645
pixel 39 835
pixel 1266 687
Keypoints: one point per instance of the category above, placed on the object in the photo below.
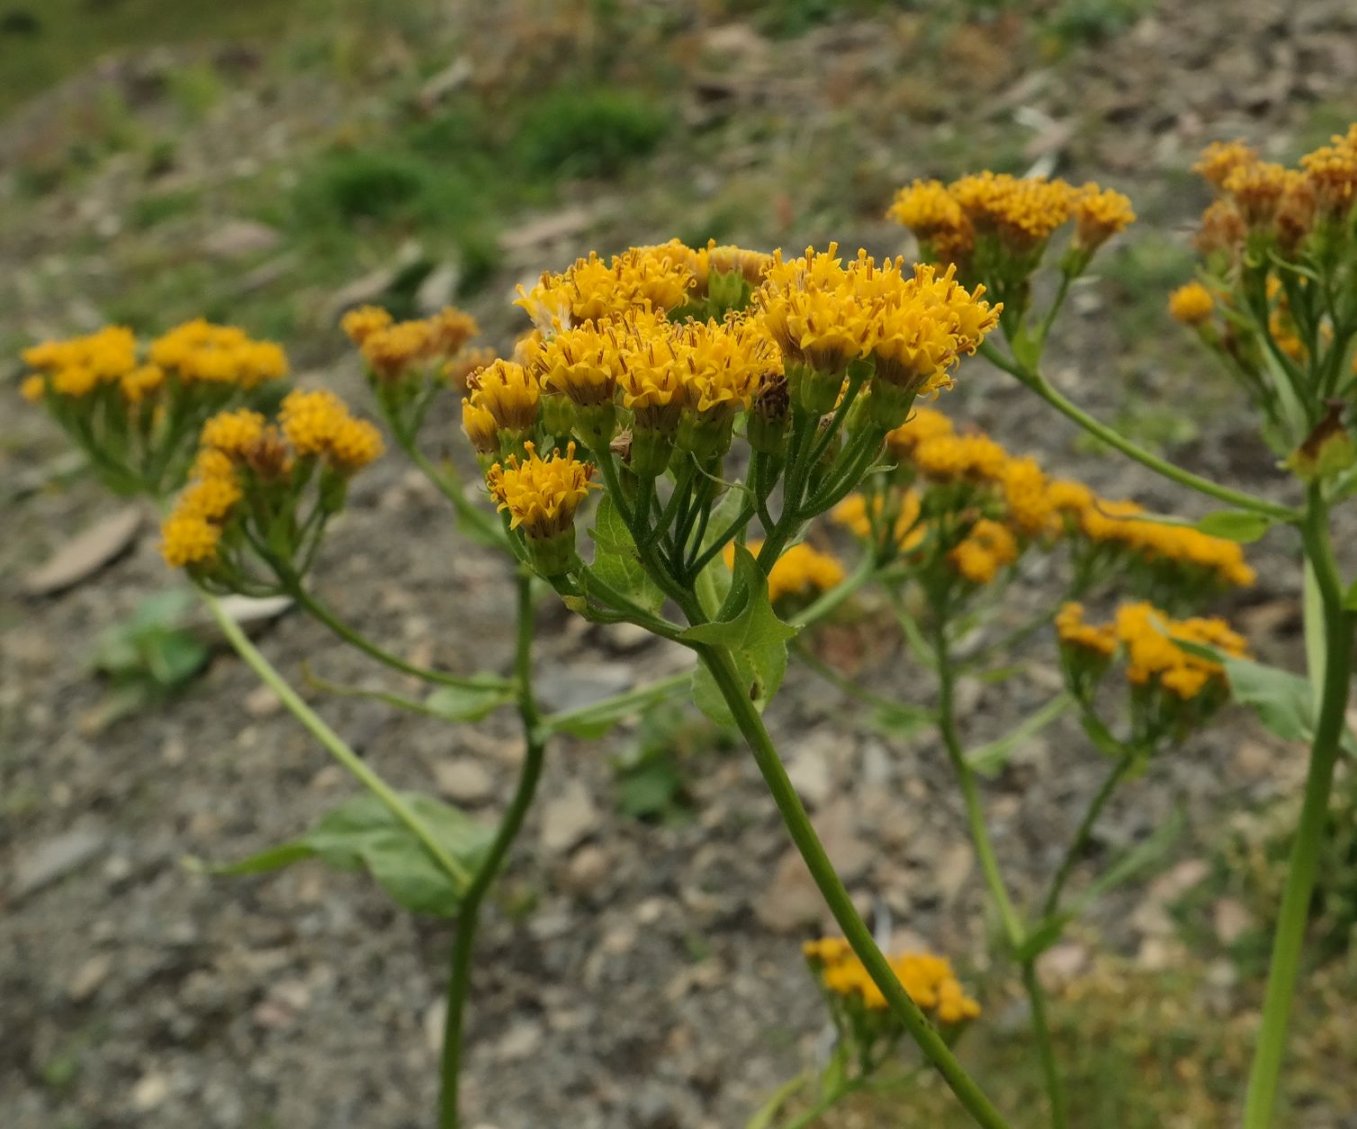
pixel 1191 304
pixel 233 433
pixel 187 539
pixel 541 495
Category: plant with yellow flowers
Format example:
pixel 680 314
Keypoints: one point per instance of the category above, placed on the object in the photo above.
pixel 1276 303
pixel 671 442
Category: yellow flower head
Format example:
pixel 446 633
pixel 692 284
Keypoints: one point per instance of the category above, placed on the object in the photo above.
pixel 987 548
pixel 1022 212
pixel 1099 214
pixel 729 259
pixel 592 290
pixel 581 362
pixel 318 423
pixel 211 498
pixel 802 572
pixel 201 352
pixel 1222 227
pixel 309 419
pixel 541 495
pixel 141 382
pixel 233 433
pixel 188 539
pixel 361 323
pixel 391 351
pixel 33 388
pixel 724 364
pixel 1099 639
pixel 78 365
pixel 960 458
pixel 480 428
pixel 1152 653
pixel 1331 173
pixel 923 424
pixel 929 980
pixel 509 393
pixel 1191 304
pixel 1027 498
pixel 652 375
pixel 861 517
pixel 449 330
pixel 1257 190
pixel 1221 158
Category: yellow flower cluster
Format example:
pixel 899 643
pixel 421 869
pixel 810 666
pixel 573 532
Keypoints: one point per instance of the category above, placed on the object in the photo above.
pixel 1027 505
pixel 392 349
pixel 541 495
pixel 240 451
pixel 194 352
pixel 928 979
pixel 913 327
pixel 987 547
pixel 1284 204
pixel 591 290
pixel 318 423
pixel 861 517
pixel 1151 641
pixel 1020 212
pixel 801 573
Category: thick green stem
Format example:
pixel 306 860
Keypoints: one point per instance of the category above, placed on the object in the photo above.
pixel 357 639
pixel 720 664
pixel 1310 833
pixel 465 937
pixel 335 745
pixel 1047 391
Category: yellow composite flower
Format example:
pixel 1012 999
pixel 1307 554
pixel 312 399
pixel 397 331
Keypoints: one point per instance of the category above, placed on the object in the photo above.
pixel 188 539
pixel 861 517
pixel 541 495
pixel 725 364
pixel 392 350
pixel 1153 655
pixel 955 458
pixel 318 423
pixel 988 547
pixel 591 290
pixel 509 393
pixel 1073 631
pixel 582 362
pixel 1221 158
pixel 1099 214
pixel 928 979
pixel 361 323
pixel 923 424
pixel 480 428
pixel 1022 211
pixel 1026 497
pixel 1191 304
pixel 802 572
pixel 233 433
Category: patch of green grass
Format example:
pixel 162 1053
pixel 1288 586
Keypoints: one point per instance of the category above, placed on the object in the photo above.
pixel 1139 275
pixel 43 41
pixel 596 132
pixel 153 208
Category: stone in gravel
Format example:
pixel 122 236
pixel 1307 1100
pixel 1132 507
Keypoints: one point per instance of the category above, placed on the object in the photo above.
pixel 568 818
pixel 149 1092
pixel 89 977
pixel 464 781
pixel 85 553
pixel 519 1042
pixel 238 239
pixel 1061 964
pixel 53 859
pixel 438 289
pixel 791 901
pixel 811 777
pixel 1231 920
pixel 587 868
pixel 952 869
pixel 839 827
pixel 262 702
pixel 434 1018
pixel 583 683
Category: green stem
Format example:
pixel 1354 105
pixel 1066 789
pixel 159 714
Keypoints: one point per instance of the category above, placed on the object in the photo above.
pixel 1081 836
pixel 720 664
pixel 464 939
pixel 826 1103
pixel 1043 388
pixel 335 745
pixel 484 523
pixel 1310 833
pixel 1050 1069
pixel 356 639
pixel 1014 930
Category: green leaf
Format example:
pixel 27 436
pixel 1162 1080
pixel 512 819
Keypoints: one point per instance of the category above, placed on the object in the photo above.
pixel 595 720
pixel 1235 525
pixel 468 703
pixel 1281 700
pixel 1041 938
pixel 1140 857
pixel 173 657
pixel 901 719
pixel 755 637
pixel 989 759
pixel 361 832
pixel 616 560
